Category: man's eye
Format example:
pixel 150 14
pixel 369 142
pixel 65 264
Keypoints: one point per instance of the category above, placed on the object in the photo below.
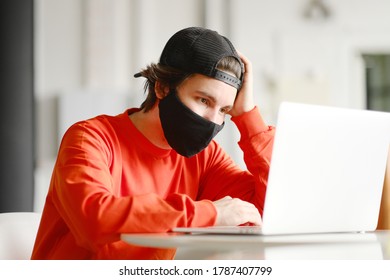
pixel 224 110
pixel 204 101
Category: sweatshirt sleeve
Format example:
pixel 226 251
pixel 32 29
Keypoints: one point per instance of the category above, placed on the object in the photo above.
pixel 256 142
pixel 92 205
pixel 226 178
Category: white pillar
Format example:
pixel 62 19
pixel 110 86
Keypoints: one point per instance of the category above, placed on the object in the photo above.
pixel 107 44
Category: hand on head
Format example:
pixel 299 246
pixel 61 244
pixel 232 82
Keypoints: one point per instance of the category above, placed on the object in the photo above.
pixel 244 101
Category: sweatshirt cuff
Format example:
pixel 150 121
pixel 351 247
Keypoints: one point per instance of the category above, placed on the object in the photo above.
pixel 250 123
pixel 205 214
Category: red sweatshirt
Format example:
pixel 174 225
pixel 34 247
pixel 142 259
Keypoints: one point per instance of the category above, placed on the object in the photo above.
pixel 109 179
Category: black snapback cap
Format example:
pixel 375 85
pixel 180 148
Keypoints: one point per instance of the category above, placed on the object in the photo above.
pixel 198 50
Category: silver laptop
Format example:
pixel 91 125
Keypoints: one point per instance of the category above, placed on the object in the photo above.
pixel 327 172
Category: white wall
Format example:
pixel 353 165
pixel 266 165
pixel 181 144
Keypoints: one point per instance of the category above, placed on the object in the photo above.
pixel 88 47
pixel 309 60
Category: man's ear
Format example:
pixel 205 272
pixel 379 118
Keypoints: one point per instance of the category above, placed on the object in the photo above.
pixel 161 90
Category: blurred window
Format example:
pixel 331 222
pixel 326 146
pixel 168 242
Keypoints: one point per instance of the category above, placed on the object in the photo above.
pixel 377 81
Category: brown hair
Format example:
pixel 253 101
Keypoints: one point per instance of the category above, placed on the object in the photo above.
pixel 173 77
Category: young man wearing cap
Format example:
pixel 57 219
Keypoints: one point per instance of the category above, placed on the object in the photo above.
pixel 154 168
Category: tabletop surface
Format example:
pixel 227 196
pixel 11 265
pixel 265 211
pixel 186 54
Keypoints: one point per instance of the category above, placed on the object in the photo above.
pixel 366 246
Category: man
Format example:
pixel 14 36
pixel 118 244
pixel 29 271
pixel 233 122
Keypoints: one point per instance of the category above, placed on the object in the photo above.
pixel 155 168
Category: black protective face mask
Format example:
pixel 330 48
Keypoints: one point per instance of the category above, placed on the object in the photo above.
pixel 186 132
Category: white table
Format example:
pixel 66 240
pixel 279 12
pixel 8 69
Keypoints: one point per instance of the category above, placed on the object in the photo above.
pixel 365 246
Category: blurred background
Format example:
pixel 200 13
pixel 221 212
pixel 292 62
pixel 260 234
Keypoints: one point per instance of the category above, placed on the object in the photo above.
pixel 66 60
